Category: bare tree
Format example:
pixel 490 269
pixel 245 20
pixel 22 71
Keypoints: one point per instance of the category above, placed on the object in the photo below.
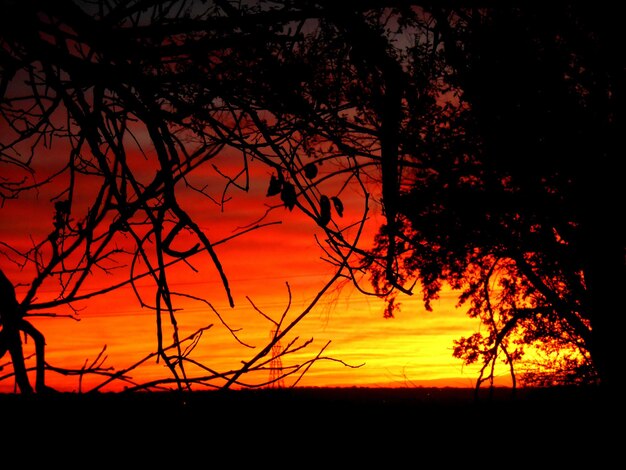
pixel 182 83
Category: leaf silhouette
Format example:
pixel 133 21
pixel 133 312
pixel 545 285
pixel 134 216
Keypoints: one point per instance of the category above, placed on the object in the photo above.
pixel 288 195
pixel 310 170
pixel 324 217
pixel 275 186
pixel 338 205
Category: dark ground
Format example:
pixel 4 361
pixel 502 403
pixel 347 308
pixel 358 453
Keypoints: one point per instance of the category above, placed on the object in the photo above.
pixel 305 428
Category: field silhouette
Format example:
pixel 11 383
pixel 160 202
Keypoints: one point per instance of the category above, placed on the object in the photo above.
pixel 353 426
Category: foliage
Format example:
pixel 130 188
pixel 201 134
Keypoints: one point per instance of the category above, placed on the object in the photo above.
pixel 516 208
pixel 483 129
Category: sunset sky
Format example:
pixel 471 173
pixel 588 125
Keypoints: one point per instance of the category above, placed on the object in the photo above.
pixel 413 349
pixel 279 264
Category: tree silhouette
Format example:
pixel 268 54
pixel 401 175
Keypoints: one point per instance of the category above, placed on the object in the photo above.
pixel 493 129
pixel 13 324
pixel 483 130
pixel 140 96
pixel 519 207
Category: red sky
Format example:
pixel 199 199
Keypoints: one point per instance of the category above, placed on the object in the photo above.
pixel 415 348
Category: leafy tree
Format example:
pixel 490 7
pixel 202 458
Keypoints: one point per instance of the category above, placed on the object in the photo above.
pixel 519 208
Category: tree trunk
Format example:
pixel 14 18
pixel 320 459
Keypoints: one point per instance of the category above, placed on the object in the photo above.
pixel 605 273
pixel 10 340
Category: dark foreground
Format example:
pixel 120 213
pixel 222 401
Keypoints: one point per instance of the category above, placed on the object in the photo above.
pixel 305 428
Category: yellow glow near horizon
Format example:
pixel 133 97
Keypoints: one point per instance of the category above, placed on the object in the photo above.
pixel 415 348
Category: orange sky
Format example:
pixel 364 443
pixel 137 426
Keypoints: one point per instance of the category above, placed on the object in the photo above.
pixel 415 348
